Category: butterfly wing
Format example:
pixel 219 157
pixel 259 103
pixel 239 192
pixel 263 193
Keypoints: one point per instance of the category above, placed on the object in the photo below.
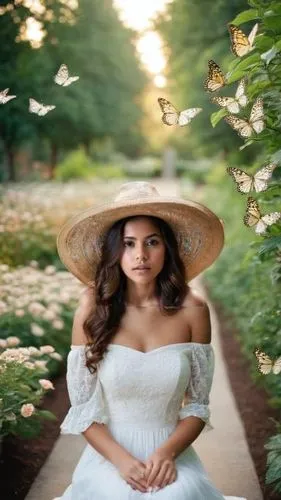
pixel 262 176
pixel 70 80
pixel 242 127
pixel 215 79
pixel 244 182
pixel 277 366
pixel 62 75
pixel 240 44
pixel 227 102
pixel 267 220
pixel 257 116
pixel 252 34
pixel 240 94
pixel 45 109
pixel 253 215
pixel 186 116
pixel 34 106
pixel 170 114
pixel 264 362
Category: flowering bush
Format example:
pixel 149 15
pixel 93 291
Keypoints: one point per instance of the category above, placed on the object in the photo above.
pixel 31 215
pixel 22 387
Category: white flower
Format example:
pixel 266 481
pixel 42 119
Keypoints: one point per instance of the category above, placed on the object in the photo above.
pixel 34 264
pixel 47 349
pixel 19 312
pixel 46 384
pixel 27 410
pixel 13 341
pixel 56 355
pixel 33 351
pixel 36 308
pixel 49 270
pixel 4 267
pixel 41 364
pixel 58 324
pixel 36 330
pixel 3 343
pixel 49 315
pixel 29 365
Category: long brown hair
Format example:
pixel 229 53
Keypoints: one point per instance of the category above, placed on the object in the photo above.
pixel 110 287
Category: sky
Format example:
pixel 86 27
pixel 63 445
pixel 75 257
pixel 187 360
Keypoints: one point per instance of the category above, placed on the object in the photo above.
pixel 138 14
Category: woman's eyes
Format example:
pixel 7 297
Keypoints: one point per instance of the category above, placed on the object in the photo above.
pixel 149 241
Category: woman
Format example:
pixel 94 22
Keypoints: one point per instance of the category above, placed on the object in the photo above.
pixel 141 363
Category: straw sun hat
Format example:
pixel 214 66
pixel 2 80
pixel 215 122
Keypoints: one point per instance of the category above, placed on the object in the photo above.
pixel 199 231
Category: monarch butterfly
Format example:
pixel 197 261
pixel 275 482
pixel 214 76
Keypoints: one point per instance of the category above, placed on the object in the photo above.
pixel 173 117
pixel 246 182
pixel 4 97
pixel 265 364
pixel 62 77
pixel 233 104
pixel 215 79
pixel 38 108
pixel 240 43
pixel 253 217
pixel 244 127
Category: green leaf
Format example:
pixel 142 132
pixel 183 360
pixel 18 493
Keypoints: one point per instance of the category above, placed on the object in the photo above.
pixel 245 16
pixel 217 116
pixel 247 143
pixel 278 44
pixel 270 244
pixel 46 414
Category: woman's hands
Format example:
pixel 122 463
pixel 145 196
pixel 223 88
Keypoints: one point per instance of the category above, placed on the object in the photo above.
pixel 161 470
pixel 133 471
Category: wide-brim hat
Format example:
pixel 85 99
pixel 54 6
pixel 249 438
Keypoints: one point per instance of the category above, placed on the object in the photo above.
pixel 199 232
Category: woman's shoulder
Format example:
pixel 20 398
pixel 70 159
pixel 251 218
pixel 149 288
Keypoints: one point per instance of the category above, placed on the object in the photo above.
pixel 197 314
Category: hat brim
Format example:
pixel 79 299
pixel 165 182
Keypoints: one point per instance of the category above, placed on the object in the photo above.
pixel 198 230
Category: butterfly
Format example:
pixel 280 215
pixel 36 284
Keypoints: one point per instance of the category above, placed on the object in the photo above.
pixel 265 364
pixel 215 79
pixel 246 182
pixel 173 117
pixel 254 217
pixel 244 127
pixel 38 108
pixel 62 77
pixel 4 97
pixel 233 104
pixel 240 43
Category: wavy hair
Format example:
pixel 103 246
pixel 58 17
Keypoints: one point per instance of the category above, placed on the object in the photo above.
pixel 110 286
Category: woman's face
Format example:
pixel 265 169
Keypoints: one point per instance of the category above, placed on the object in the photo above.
pixel 142 245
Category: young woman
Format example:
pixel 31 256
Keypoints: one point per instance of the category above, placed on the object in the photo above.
pixel 141 363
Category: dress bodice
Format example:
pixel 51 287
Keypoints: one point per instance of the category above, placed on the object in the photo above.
pixel 138 388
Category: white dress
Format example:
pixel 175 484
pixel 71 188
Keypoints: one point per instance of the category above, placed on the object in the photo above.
pixel 140 398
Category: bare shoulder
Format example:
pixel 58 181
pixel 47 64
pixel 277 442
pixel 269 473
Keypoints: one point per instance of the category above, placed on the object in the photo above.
pixel 86 305
pixel 197 313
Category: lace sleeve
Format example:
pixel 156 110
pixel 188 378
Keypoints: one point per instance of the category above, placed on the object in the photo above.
pixel 202 360
pixel 85 394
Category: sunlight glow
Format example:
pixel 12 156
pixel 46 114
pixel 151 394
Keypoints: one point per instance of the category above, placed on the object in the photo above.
pixel 138 14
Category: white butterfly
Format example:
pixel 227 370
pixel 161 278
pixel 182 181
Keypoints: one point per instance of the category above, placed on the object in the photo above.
pixel 254 217
pixel 245 128
pixel 247 182
pixel 240 43
pixel 38 108
pixel 265 364
pixel 62 77
pixel 4 97
pixel 233 104
pixel 173 117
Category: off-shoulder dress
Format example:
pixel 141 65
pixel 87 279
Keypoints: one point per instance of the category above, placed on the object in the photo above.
pixel 140 397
